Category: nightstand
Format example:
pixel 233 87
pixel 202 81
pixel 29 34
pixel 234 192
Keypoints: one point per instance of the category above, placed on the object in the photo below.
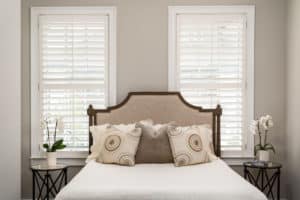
pixel 48 180
pixel 264 175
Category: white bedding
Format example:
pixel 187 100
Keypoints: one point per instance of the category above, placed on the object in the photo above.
pixel 211 181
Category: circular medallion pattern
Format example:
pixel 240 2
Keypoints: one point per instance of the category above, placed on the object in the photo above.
pixel 135 132
pixel 182 160
pixel 112 142
pixel 126 160
pixel 195 142
pixel 173 131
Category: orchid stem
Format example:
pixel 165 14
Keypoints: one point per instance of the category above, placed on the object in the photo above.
pixel 266 133
pixel 259 134
pixel 48 134
pixel 55 131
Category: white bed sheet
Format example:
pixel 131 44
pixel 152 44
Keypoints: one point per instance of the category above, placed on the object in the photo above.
pixel 211 181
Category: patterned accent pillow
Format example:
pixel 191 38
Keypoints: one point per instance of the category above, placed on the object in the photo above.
pixel 98 131
pixel 119 147
pixel 190 145
pixel 97 134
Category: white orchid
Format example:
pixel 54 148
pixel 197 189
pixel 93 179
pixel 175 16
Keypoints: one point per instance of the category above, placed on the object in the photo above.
pixel 60 125
pixel 48 118
pixel 58 128
pixel 254 127
pixel 260 127
pixel 43 124
pixel 266 122
pixel 269 123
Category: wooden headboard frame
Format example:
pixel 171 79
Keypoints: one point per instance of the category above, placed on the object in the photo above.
pixel 216 115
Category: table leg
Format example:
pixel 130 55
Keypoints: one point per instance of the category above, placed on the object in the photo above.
pixel 66 176
pixel 278 185
pixel 47 185
pixel 262 180
pixel 33 185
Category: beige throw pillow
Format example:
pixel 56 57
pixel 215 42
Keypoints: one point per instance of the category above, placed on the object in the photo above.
pixel 190 145
pixel 119 147
pixel 97 134
pixel 154 146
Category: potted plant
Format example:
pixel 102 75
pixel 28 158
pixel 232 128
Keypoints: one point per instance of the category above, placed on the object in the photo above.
pixel 261 128
pixel 51 147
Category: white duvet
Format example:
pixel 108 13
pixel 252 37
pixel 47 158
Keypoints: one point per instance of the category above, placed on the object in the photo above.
pixel 211 181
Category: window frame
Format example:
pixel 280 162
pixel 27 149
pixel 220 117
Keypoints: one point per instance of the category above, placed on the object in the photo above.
pixel 249 12
pixel 36 150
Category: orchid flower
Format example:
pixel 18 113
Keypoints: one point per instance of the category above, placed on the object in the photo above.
pixel 260 127
pixel 58 128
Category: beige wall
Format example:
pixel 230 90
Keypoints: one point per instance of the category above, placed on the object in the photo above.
pixel 142 59
pixel 10 100
pixel 293 98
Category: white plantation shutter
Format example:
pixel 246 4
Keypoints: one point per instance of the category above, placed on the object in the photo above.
pixel 211 61
pixel 73 71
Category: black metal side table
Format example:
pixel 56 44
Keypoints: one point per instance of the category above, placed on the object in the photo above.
pixel 264 175
pixel 48 180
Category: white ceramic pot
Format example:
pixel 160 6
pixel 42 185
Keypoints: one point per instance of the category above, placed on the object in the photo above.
pixel 263 155
pixel 51 158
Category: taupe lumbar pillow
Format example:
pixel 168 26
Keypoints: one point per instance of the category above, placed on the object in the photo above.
pixel 119 147
pixel 154 144
pixel 190 145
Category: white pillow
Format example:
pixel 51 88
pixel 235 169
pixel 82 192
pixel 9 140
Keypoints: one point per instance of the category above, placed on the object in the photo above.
pixel 97 134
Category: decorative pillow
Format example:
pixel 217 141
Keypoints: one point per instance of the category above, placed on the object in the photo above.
pixel 154 146
pixel 206 135
pixel 190 145
pixel 119 147
pixel 97 134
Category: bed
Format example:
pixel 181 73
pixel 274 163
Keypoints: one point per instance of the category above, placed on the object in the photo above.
pixel 209 181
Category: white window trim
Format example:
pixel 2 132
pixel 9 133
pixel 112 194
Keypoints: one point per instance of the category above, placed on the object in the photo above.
pixel 36 151
pixel 249 11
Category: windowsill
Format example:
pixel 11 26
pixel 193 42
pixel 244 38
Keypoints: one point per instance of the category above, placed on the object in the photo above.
pixel 237 161
pixel 237 158
pixel 71 159
pixel 78 159
pixel 62 155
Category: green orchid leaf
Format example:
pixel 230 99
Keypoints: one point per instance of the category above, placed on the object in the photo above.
pixel 58 145
pixel 62 146
pixel 46 146
pixel 269 147
pixel 58 142
pixel 257 148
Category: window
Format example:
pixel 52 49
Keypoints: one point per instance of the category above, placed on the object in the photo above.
pixel 73 65
pixel 211 62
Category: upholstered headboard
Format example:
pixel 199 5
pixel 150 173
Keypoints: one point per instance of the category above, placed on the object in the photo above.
pixel 161 107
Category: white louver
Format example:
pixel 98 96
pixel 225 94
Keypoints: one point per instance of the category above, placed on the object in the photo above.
pixel 74 74
pixel 211 60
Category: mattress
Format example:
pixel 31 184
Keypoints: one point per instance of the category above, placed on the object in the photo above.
pixel 210 181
